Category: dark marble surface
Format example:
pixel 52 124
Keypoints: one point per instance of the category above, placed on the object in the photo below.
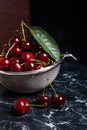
pixel 72 82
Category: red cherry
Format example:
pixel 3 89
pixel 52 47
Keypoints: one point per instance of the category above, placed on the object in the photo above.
pixel 43 56
pixel 35 45
pixel 14 59
pixel 27 56
pixel 21 105
pixel 58 100
pixel 14 40
pixel 16 67
pixel 29 65
pixel 1 57
pixel 38 66
pixel 41 49
pixel 43 99
pixel 16 51
pixel 26 46
pixel 5 64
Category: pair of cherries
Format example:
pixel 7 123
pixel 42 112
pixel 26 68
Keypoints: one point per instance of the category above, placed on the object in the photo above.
pixel 20 55
pixel 21 105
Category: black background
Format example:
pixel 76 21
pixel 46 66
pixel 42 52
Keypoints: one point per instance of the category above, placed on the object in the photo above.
pixel 65 21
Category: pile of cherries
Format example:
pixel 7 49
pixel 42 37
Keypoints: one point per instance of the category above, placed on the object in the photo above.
pixel 23 55
pixel 21 105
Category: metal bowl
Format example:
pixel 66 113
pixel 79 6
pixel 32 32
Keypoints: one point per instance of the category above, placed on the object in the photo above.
pixel 30 81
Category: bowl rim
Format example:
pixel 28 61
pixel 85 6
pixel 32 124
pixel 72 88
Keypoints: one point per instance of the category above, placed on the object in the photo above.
pixel 42 70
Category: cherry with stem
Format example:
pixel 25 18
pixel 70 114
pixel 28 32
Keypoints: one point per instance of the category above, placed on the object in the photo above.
pixel 43 98
pixel 57 99
pixel 21 105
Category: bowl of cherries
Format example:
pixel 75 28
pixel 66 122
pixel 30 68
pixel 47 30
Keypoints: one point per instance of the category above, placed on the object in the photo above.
pixel 26 64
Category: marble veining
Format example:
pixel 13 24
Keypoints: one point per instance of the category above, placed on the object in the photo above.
pixel 72 82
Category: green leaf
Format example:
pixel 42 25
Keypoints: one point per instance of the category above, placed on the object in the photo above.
pixel 45 41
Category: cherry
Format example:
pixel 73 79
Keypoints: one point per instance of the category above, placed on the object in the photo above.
pixel 5 64
pixel 29 65
pixel 43 56
pixel 14 59
pixel 1 56
pixel 58 100
pixel 35 45
pixel 38 66
pixel 16 67
pixel 16 51
pixel 14 40
pixel 26 46
pixel 43 99
pixel 27 56
pixel 41 49
pixel 21 106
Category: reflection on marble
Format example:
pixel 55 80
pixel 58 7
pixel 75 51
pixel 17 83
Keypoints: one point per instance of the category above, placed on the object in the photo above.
pixel 72 82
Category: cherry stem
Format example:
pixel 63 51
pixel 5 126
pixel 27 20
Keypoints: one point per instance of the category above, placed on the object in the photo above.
pixel 45 87
pixel 27 27
pixel 22 29
pixel 52 86
pixel 35 105
pixel 23 64
pixel 44 90
pixel 25 24
pixel 39 61
pixel 3 55
pixel 9 50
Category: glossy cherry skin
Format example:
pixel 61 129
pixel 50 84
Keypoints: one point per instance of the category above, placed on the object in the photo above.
pixel 35 45
pixel 27 56
pixel 43 56
pixel 14 40
pixel 5 64
pixel 37 48
pixel 58 100
pixel 16 51
pixel 29 65
pixel 26 45
pixel 21 105
pixel 43 99
pixel 16 67
pixel 14 59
